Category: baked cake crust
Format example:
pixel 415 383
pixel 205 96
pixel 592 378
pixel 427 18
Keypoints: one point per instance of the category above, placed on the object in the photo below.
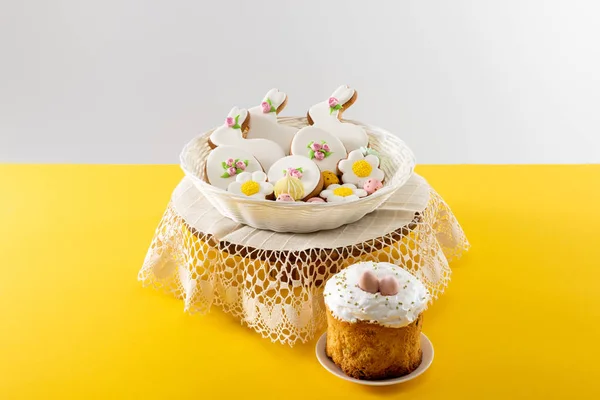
pixel 370 351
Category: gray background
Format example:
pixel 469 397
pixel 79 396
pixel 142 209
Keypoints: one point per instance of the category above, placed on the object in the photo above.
pixel 461 81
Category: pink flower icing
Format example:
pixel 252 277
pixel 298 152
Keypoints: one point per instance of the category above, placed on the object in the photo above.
pixel 315 146
pixel 325 147
pixel 372 185
pixel 229 162
pixel 229 121
pixel 319 156
pixel 266 107
pixel 293 172
pixel 231 171
pixel 315 200
pixel 240 165
pixel 333 102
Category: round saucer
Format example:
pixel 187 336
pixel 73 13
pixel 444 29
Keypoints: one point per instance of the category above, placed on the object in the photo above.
pixel 328 364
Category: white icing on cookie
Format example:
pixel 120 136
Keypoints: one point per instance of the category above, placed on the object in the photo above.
pixel 265 151
pixel 311 175
pixel 325 115
pixel 252 185
pixel 325 149
pixel 342 193
pixel 358 168
pixel 218 171
pixel 264 125
pixel 346 301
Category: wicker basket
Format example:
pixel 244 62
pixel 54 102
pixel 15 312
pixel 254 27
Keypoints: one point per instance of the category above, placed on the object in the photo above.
pixel 397 162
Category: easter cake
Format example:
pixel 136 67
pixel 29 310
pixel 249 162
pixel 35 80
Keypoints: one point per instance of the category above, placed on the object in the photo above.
pixel 374 317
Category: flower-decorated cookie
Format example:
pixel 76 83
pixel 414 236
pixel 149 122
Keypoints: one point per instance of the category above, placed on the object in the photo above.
pixel 342 193
pixel 232 133
pixel 224 163
pixel 253 185
pixel 358 168
pixel 301 168
pixel 264 121
pixel 325 149
pixel 327 115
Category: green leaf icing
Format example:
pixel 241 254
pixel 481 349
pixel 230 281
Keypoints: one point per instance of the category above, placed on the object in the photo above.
pixel 332 109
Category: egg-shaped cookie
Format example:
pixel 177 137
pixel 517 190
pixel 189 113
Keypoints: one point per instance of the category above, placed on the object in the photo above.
pixel 299 167
pixel 224 163
pixel 325 149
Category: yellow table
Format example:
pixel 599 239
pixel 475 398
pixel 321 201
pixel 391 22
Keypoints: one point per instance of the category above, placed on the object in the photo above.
pixel 521 318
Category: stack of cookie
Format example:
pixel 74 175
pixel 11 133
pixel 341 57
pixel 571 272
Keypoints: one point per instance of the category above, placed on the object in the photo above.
pixel 255 156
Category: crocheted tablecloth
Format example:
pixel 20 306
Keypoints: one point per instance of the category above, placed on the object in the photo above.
pixel 273 282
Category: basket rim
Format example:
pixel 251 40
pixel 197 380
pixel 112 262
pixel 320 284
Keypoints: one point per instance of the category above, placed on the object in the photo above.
pixel 280 204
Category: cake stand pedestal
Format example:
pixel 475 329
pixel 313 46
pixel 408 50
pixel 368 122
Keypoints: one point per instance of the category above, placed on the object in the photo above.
pixel 273 282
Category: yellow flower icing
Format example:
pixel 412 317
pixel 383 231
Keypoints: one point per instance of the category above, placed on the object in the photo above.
pixel 250 187
pixel 290 185
pixel 343 191
pixel 362 168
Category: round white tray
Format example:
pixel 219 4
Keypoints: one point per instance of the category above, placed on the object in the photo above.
pixel 397 162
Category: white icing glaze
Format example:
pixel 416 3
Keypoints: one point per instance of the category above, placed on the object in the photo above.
pixel 313 134
pixel 348 302
pixel 265 125
pixel 214 167
pixel 348 175
pixel 265 151
pixel 276 96
pixel 265 188
pixel 311 175
pixel 352 136
pixel 331 197
pixel 342 94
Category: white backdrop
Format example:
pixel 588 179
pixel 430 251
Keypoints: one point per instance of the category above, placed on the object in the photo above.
pixel 125 81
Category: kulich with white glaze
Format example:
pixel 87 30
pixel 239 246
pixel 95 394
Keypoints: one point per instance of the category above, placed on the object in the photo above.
pixel 374 320
pixel 348 302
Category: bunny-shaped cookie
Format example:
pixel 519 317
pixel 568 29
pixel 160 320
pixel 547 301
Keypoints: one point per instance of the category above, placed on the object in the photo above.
pixel 233 133
pixel 264 121
pixel 327 114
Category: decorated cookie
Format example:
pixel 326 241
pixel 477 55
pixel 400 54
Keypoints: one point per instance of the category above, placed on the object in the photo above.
pixel 253 185
pixel 342 193
pixel 290 185
pixel 264 121
pixel 329 178
pixel 301 168
pixel 358 168
pixel 327 115
pixel 232 133
pixel 325 149
pixel 316 200
pixel 224 163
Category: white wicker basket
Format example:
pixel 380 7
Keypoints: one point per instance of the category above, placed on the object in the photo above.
pixel 397 162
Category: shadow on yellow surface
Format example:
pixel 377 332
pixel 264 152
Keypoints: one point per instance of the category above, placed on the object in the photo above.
pixel 520 318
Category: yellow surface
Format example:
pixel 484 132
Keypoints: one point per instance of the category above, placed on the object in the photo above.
pixel 519 320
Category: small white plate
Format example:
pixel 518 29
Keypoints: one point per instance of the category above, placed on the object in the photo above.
pixel 328 364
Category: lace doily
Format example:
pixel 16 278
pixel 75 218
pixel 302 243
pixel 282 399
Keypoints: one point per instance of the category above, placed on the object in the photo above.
pixel 273 282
